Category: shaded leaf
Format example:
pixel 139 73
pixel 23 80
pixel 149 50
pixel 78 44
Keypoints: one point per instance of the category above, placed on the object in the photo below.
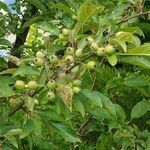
pixel 66 131
pixel 138 61
pixel 93 96
pixel 12 140
pixel 63 7
pixel 4 7
pixel 28 127
pixel 27 70
pixel 140 109
pixel 121 116
pixel 5 42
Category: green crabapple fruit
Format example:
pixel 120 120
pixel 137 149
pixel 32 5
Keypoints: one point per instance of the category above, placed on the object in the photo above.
pixel 53 59
pixel 39 54
pixel 94 45
pixel 100 51
pixel 32 85
pixel 51 95
pixel 69 51
pixel 109 49
pixel 65 32
pixel 90 40
pixel 76 89
pixel 77 82
pixel 69 59
pixel 51 84
pixel 91 65
pixel 19 85
pixel 39 62
pixel 78 53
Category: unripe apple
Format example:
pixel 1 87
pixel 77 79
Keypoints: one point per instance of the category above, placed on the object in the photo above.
pixel 76 89
pixel 39 54
pixel 69 51
pixel 90 40
pixel 53 59
pixel 69 59
pixel 91 65
pixel 119 33
pixel 65 32
pixel 100 51
pixel 78 53
pixel 39 62
pixel 32 85
pixel 94 45
pixel 51 95
pixel 19 85
pixel 77 82
pixel 51 84
pixel 109 49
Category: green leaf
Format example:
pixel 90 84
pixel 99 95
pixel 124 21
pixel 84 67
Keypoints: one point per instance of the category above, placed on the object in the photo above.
pixel 100 100
pixel 66 94
pixel 112 59
pixel 78 105
pixel 6 91
pixel 48 27
pixel 138 82
pixel 140 109
pixel 28 127
pixel 86 11
pixel 30 103
pixel 143 50
pixel 27 70
pixel 121 116
pixel 32 20
pixel 12 140
pixel 63 7
pixel 37 125
pixel 4 7
pixel 13 132
pixel 102 113
pixel 104 142
pixel 135 30
pixel 4 42
pixel 138 61
pixel 8 71
pixel 93 96
pixel 38 4
pixel 66 131
pixel 49 114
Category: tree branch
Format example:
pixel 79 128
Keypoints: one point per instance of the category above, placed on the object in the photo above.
pixel 134 16
pixel 20 105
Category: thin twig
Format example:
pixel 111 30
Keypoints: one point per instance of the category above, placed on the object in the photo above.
pixel 85 123
pixel 134 16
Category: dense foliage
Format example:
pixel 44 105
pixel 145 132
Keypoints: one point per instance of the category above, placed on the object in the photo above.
pixel 77 75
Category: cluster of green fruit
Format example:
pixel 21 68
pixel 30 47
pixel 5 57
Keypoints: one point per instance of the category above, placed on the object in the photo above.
pixel 39 61
pixel 71 54
pixel 20 85
pixel 100 51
